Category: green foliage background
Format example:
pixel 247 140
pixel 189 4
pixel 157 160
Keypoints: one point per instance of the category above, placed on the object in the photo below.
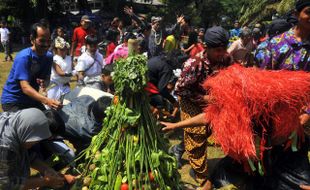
pixel 202 12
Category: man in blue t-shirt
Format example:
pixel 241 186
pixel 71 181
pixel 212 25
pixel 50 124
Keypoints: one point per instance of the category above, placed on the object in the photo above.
pixel 31 70
pixel 236 31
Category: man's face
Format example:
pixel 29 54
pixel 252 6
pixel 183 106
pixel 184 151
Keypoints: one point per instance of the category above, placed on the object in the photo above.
pixel 156 26
pixel 42 42
pixel 85 24
pixel 60 33
pixel 107 79
pixel 304 18
pixel 201 34
pixel 92 48
pixel 216 54
pixel 236 25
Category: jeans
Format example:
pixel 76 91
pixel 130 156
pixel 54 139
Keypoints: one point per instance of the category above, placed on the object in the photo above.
pixel 58 147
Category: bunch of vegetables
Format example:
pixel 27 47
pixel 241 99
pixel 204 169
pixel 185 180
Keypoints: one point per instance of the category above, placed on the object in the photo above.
pixel 129 153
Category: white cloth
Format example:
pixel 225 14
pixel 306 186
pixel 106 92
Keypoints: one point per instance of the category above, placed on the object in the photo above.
pixel 58 91
pixel 78 92
pixel 4 32
pixel 92 66
pixel 66 66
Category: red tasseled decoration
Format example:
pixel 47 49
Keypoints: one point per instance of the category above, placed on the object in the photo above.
pixel 242 95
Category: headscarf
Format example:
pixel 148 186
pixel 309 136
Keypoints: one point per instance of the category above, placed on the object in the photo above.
pixel 32 126
pixel 216 36
pixel 301 4
pixel 278 26
pixel 28 125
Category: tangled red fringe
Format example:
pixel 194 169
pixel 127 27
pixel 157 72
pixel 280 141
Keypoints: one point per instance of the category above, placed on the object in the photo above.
pixel 243 95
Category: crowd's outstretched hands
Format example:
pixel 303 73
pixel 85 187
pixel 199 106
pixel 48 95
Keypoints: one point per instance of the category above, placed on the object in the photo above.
pixel 180 19
pixel 128 10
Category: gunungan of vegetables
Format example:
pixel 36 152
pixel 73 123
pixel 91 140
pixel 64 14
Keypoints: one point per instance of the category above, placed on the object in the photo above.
pixel 129 152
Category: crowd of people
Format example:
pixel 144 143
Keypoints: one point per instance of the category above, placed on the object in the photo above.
pixel 181 57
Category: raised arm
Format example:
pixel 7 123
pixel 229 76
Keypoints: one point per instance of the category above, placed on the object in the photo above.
pixel 129 11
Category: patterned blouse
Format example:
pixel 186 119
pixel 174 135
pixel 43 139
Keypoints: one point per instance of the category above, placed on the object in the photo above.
pixel 195 71
pixel 284 52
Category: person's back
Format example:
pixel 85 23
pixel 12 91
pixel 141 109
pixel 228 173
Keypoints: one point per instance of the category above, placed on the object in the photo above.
pixel 83 119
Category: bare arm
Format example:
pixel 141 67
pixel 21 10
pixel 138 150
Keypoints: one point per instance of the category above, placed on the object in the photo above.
pixel 196 121
pixel 32 93
pixel 305 187
pixel 35 182
pixel 51 177
pixel 58 70
pixel 73 48
pixel 188 49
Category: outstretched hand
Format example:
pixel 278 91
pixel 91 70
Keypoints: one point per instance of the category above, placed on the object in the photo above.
pixel 128 10
pixel 305 187
pixel 180 19
pixel 168 126
pixel 304 119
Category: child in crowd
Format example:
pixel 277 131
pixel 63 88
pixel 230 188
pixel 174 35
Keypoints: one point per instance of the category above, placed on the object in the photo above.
pixel 90 64
pixel 61 71
pixel 106 77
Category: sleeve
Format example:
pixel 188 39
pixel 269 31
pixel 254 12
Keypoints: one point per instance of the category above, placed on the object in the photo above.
pixel 22 68
pixel 162 85
pixel 56 60
pixel 81 65
pixel 263 56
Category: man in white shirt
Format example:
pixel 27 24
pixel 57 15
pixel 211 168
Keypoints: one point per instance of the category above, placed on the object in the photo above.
pixel 241 49
pixel 90 64
pixel 5 41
